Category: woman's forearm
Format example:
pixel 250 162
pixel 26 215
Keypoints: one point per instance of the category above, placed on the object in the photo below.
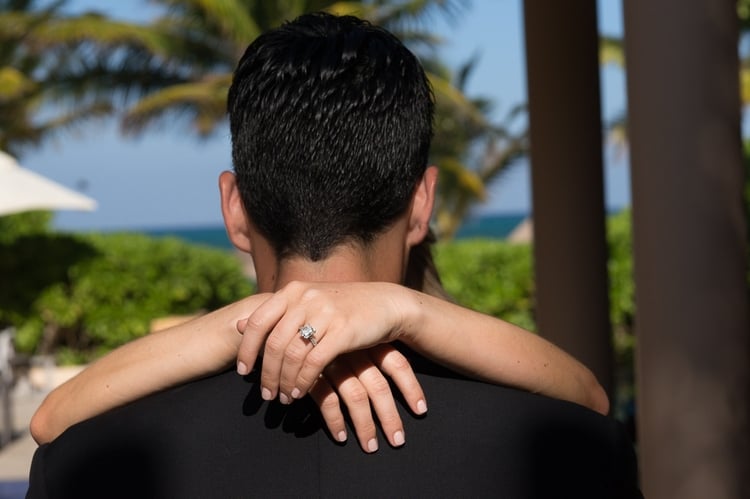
pixel 475 344
pixel 492 350
pixel 160 360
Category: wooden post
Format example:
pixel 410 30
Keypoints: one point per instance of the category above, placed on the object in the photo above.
pixel 570 251
pixel 690 248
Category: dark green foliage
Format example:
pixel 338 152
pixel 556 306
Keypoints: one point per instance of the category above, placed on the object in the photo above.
pixel 622 311
pixel 24 224
pixel 490 276
pixel 82 294
pixel 91 293
pixel 496 278
pixel 621 286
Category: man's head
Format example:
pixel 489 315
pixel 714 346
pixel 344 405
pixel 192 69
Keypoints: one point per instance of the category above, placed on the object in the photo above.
pixel 331 121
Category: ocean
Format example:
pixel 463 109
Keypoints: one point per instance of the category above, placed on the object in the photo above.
pixel 489 226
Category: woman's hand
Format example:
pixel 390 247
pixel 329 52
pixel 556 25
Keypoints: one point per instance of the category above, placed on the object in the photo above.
pixel 357 380
pixel 347 317
pixel 351 317
pixel 344 316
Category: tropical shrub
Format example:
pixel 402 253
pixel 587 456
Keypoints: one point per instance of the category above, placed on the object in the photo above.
pixel 24 224
pixel 496 277
pixel 491 276
pixel 80 295
pixel 91 293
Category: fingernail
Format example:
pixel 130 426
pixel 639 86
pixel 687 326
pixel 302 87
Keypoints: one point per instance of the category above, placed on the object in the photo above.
pixel 372 445
pixel 398 438
pixel 295 393
pixel 342 436
pixel 283 398
pixel 242 368
pixel 265 393
pixel 421 407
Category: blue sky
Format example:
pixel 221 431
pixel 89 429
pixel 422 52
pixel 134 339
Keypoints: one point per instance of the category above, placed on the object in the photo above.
pixel 168 178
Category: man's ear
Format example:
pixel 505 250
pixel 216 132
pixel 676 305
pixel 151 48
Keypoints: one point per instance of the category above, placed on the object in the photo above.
pixel 236 220
pixel 421 207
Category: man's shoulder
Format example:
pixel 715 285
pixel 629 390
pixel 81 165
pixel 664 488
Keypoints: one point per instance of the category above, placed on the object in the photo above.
pixel 177 443
pixel 511 440
pixel 218 432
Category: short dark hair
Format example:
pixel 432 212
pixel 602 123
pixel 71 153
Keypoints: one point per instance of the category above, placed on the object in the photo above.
pixel 331 122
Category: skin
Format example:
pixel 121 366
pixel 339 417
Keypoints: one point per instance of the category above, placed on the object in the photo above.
pixel 352 299
pixel 382 312
pixel 208 345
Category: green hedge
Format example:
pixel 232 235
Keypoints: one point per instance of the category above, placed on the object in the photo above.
pixel 496 277
pixel 490 276
pixel 81 295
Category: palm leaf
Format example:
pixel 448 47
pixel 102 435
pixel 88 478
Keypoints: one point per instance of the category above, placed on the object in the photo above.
pixel 463 178
pixel 611 51
pixel 204 101
pixel 14 84
pixel 745 85
pixel 454 98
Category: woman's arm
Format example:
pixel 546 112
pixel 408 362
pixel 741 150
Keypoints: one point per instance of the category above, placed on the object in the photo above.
pixel 160 360
pixel 489 349
pixel 208 345
pixel 469 342
pixel 352 316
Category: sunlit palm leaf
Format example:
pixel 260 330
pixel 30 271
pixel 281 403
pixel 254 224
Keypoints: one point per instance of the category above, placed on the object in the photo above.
pixel 611 51
pixel 14 84
pixel 232 17
pixel 745 85
pixel 181 64
pixel 359 9
pixel 454 98
pixel 97 29
pixel 17 135
pixel 465 179
pixel 203 101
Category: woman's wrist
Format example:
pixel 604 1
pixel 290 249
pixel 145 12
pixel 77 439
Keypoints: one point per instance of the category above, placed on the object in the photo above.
pixel 411 306
pixel 225 335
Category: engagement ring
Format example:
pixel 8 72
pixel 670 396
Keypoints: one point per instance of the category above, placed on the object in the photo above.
pixel 308 333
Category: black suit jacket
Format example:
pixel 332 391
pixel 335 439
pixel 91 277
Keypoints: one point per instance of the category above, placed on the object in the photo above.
pixel 217 438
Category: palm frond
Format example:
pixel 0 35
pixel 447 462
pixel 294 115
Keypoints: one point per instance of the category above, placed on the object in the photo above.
pixel 745 85
pixel 203 101
pixel 611 51
pixel 14 84
pixel 462 178
pixel 453 97
pixel 398 15
pixel 360 9
pixel 499 157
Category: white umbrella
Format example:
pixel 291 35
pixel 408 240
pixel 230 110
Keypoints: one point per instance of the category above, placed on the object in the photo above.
pixel 24 190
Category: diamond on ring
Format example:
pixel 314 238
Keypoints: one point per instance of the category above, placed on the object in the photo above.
pixel 308 333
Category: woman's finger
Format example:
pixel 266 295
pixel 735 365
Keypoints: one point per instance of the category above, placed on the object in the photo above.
pixel 299 349
pixel 283 345
pixel 327 349
pixel 330 408
pixel 380 395
pixel 397 367
pixel 258 334
pixel 255 329
pixel 357 402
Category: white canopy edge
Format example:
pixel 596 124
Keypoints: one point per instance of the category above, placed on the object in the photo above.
pixel 24 190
